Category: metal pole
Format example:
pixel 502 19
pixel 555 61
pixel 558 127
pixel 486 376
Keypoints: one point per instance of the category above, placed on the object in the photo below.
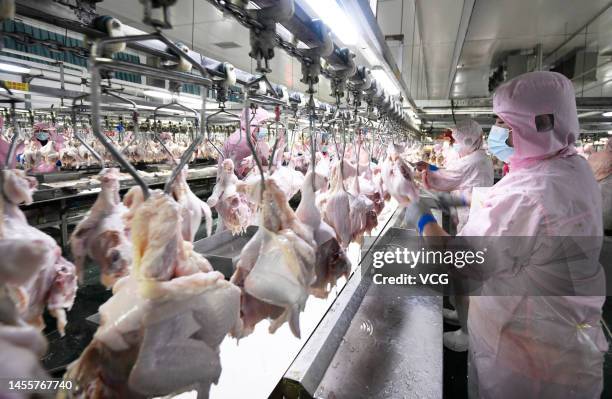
pixel 97 130
pixel 187 154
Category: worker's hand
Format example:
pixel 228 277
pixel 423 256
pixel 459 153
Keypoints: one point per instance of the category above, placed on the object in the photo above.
pixel 447 200
pixel 422 165
pixel 418 214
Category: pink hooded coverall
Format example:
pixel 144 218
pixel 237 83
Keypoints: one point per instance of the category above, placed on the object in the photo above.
pixel 472 168
pixel 538 346
pixel 236 147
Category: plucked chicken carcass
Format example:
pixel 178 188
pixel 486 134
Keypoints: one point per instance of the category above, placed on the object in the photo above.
pixel 331 262
pixel 362 214
pixel 160 332
pixel 336 205
pixel 131 200
pixel 22 345
pixel 233 207
pixel 397 176
pixel 54 286
pixel 288 179
pixel 276 267
pixel 379 185
pixel 85 156
pixel 101 234
pixel 70 156
pixel 193 208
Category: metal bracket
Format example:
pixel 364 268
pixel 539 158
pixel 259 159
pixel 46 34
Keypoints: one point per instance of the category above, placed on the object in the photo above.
pixel 157 13
pixel 263 38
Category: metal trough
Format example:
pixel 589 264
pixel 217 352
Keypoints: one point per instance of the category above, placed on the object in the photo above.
pixel 223 249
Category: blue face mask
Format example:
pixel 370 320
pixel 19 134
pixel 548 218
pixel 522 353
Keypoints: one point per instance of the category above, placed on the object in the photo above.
pixel 497 143
pixel 43 136
pixel 457 147
pixel 262 133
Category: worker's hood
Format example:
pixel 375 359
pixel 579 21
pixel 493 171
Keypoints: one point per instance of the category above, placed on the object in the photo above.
pixel 540 108
pixel 468 134
pixel 256 120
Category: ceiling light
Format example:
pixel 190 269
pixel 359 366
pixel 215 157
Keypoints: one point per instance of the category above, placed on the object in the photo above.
pixel 13 68
pixel 374 6
pixel 607 114
pixel 387 83
pixel 336 19
pixel 190 102
pixel 164 95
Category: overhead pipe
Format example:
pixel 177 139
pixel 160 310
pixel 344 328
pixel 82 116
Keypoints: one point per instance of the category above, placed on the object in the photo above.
pixel 300 25
pixel 551 58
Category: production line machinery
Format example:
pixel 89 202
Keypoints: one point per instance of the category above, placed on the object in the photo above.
pixel 346 328
pixel 63 198
pixel 367 340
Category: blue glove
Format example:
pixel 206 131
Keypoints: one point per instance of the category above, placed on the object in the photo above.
pixel 447 200
pixel 418 214
pixel 433 168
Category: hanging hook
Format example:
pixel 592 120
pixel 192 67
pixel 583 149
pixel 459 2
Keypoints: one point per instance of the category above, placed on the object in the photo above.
pixel 194 144
pixel 76 133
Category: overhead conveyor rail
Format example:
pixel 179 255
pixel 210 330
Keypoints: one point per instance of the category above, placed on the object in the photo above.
pixel 300 24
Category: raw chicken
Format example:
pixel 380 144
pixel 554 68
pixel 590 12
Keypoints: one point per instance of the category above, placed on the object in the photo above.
pixel 22 345
pixel 337 207
pixel 276 267
pixel 397 176
pixel 233 207
pixel 288 179
pixel 54 286
pixel 331 262
pixel 363 216
pixel 160 332
pixel 193 208
pixel 101 234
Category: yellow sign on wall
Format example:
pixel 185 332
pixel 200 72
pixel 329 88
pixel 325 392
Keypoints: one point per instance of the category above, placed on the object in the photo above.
pixel 17 85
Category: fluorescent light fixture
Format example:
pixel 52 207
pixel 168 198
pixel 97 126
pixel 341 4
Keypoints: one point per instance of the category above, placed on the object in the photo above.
pixel 607 114
pixel 374 6
pixel 148 107
pixel 370 57
pixel 336 19
pixel 386 82
pixel 13 68
pixel 164 95
pixel 190 102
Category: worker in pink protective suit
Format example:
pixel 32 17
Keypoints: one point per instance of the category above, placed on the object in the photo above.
pixel 536 346
pixel 472 168
pixel 601 163
pixel 236 147
pixel 49 142
pixel 5 144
